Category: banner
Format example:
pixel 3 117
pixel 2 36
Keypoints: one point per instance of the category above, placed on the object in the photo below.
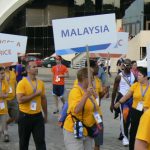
pixel 72 35
pixel 120 47
pixel 10 46
pixel 148 59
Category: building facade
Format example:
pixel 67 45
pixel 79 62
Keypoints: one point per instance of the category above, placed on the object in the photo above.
pixel 34 19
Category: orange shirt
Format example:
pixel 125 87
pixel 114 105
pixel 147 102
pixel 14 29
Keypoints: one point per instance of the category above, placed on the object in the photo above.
pixel 59 70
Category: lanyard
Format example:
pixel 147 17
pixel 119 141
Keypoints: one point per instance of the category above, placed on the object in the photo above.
pixel 58 68
pixel 144 92
pixel 8 77
pixel 34 88
pixel 127 77
pixel 1 88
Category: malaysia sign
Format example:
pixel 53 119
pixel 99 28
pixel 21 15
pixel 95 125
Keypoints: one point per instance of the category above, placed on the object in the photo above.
pixel 71 35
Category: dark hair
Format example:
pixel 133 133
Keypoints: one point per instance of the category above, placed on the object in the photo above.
pixel 93 63
pixel 27 64
pixel 143 71
pixel 127 61
pixel 132 62
pixel 82 73
pixel 2 68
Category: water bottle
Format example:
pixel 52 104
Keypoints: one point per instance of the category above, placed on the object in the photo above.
pixel 78 129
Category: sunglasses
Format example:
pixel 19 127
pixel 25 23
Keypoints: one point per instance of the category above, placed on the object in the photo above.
pixel 127 65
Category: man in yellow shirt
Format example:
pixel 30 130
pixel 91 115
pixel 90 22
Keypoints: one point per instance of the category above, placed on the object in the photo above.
pixel 143 135
pixel 32 100
pixel 10 76
pixel 3 104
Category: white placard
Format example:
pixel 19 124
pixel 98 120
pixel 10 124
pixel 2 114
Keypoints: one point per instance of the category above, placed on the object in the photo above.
pixel 148 59
pixel 120 47
pixel 71 35
pixel 10 46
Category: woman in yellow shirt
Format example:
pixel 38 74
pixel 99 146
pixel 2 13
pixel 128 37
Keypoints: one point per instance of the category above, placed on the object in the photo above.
pixel 143 136
pixel 138 90
pixel 82 106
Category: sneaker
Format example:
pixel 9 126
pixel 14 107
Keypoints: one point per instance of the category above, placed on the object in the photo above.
pixel 56 112
pixel 6 138
pixel 125 141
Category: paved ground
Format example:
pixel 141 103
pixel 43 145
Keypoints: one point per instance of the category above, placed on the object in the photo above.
pixel 54 137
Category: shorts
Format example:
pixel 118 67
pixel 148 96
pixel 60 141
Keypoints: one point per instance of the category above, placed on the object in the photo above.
pixel 99 139
pixel 13 108
pixel 58 90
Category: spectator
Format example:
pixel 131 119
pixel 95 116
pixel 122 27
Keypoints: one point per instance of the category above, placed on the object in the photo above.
pixel 59 73
pixel 134 69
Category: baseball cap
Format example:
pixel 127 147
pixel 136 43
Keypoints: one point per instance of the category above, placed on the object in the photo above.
pixel 58 57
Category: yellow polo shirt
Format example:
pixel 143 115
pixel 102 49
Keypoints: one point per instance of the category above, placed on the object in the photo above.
pixel 147 99
pixel 75 97
pixel 25 87
pixel 11 79
pixel 144 128
pixel 3 102
pixel 137 95
pixel 97 86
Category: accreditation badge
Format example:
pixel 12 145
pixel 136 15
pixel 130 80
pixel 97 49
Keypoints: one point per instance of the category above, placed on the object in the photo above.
pixel 57 79
pixel 97 117
pixel 10 90
pixel 2 105
pixel 140 106
pixel 33 105
pixel 97 100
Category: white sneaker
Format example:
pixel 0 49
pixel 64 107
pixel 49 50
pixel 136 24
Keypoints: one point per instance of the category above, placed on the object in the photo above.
pixel 125 141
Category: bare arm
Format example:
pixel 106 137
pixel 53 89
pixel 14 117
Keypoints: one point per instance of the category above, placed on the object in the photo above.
pixel 114 92
pixel 66 75
pixel 44 106
pixel 24 99
pixel 124 99
pixel 140 145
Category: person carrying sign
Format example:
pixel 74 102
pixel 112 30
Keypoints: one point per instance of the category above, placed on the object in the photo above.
pixel 59 72
pixel 83 113
pixel 122 84
pixel 32 100
pixel 4 89
pixel 139 91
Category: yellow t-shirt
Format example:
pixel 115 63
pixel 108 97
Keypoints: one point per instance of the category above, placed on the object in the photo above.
pixel 147 99
pixel 25 87
pixel 137 95
pixel 144 128
pixel 75 97
pixel 97 86
pixel 3 102
pixel 11 79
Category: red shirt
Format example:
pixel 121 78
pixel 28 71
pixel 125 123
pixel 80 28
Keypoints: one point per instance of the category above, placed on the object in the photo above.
pixel 59 70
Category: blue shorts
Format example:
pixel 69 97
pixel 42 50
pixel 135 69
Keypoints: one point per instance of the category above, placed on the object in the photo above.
pixel 58 90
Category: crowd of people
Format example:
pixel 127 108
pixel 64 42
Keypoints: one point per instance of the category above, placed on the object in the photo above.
pixel 23 99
